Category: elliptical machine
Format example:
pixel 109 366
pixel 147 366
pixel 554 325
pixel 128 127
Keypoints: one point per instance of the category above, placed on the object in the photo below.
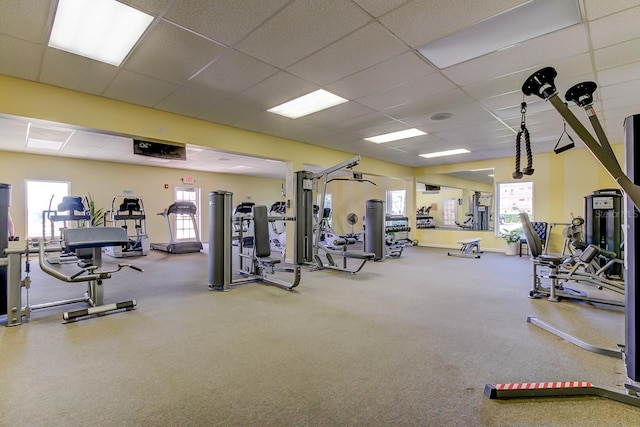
pixel 129 213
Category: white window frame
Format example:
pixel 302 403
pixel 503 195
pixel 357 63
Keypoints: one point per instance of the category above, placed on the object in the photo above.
pixel 449 212
pixel 518 196
pixel 40 199
pixel 392 195
pixel 183 226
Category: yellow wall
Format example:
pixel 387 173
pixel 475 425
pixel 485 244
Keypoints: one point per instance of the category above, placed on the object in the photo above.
pixel 104 180
pixel 560 183
pixel 35 100
pixel 348 197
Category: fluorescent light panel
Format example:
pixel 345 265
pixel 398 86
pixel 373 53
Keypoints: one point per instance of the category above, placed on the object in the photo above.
pixel 104 30
pixel 307 104
pixel 522 23
pixel 47 138
pixel 395 136
pixel 44 144
pixel 444 153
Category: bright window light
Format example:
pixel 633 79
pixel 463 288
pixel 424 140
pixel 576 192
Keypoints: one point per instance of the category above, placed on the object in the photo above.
pixel 307 104
pixel 444 153
pixel 522 23
pixel 104 30
pixel 394 136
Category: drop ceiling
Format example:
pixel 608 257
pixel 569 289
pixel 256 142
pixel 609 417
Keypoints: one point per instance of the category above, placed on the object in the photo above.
pixel 228 61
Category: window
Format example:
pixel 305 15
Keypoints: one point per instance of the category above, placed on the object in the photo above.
pixel 449 212
pixel 396 202
pixel 43 196
pixel 513 198
pixel 185 228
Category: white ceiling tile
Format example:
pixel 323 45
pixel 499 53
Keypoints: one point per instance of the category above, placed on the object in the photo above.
pixel 600 29
pixel 379 7
pixel 300 29
pixel 621 102
pixel 565 67
pixel 172 54
pixel 368 46
pixel 76 72
pixel 361 123
pixel 597 8
pixel 420 22
pixel 344 111
pixel 628 88
pixel 276 90
pixel 390 73
pixel 539 51
pixel 617 55
pixel 191 100
pixel 425 107
pixel 138 89
pixel 620 74
pixel 423 87
pixel 152 7
pixel 228 111
pixel 234 72
pixel 27 58
pixel 25 19
pixel 225 21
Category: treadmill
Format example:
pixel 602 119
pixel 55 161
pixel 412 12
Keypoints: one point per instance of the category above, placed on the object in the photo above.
pixel 180 246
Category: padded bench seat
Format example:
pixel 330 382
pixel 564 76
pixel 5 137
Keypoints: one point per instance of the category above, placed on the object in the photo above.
pixel 94 237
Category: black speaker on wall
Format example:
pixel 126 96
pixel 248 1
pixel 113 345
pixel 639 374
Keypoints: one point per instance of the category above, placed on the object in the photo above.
pixel 632 249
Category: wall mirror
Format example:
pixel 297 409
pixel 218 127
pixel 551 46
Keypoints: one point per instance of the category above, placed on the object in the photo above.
pixel 461 200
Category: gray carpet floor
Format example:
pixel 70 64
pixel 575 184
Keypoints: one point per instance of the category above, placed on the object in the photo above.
pixel 406 342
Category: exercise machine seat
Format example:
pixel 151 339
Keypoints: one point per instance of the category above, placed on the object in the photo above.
pixel 540 229
pixel 535 243
pixel 261 234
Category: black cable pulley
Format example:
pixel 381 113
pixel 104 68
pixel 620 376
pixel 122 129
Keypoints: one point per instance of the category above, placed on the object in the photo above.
pixel 557 149
pixel 518 174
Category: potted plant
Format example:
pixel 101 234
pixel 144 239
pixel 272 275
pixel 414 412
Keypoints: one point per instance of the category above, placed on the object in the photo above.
pixel 511 238
pixel 97 214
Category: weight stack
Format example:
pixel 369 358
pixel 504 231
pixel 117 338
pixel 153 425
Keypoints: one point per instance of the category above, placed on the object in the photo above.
pixel 374 228
pixel 220 264
pixel 5 202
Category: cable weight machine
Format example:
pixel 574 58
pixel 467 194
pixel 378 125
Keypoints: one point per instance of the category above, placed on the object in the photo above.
pixel 541 83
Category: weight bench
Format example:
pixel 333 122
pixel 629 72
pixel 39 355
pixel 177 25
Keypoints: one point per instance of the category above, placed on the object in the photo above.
pixel 470 248
pixel 94 238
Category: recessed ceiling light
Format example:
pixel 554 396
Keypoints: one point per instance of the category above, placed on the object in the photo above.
pixel 104 30
pixel 444 153
pixel 394 136
pixel 441 116
pixel 525 22
pixel 307 104
pixel 240 167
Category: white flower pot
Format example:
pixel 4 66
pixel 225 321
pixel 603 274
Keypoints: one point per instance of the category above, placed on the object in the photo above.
pixel 511 249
